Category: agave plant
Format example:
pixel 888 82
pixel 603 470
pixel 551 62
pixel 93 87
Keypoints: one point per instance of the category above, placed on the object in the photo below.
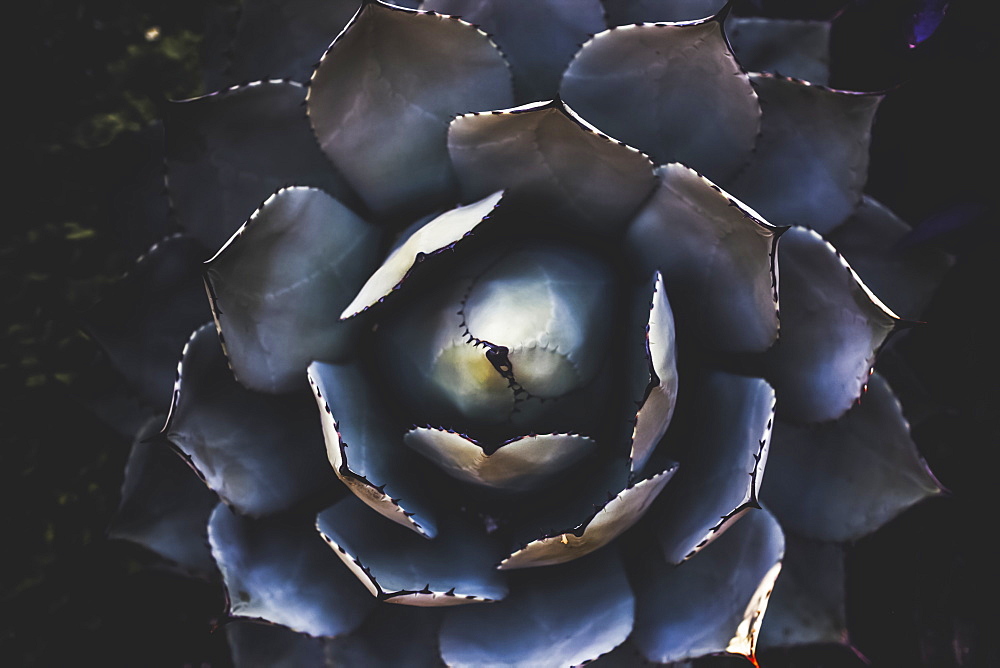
pixel 526 264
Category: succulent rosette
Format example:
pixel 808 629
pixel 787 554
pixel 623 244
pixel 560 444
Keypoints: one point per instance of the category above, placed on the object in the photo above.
pixel 525 263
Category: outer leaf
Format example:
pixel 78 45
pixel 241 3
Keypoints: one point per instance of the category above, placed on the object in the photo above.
pixel 814 142
pixel 146 319
pixel 278 39
pixel 722 460
pixel 552 617
pixel 538 37
pixel 220 166
pixel 831 328
pixel 278 285
pixel 622 12
pixel 673 91
pixel 399 566
pixel 904 277
pixel 364 449
pixel 842 480
pixel 799 49
pixel 393 635
pixel 547 155
pixel 164 506
pixel 255 645
pixel 521 463
pixel 717 260
pixel 600 525
pixel 413 633
pixel 279 571
pixel 384 123
pixel 626 655
pixel 714 603
pixel 658 377
pixel 807 606
pixel 260 453
pixel 440 234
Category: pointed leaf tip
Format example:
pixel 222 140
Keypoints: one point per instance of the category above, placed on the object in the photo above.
pixel 439 235
pixel 384 125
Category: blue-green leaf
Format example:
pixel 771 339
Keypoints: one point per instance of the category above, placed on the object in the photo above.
pixel 716 256
pixel 278 286
pixel 904 277
pixel 673 91
pixel 842 480
pixel 831 328
pixel 280 571
pixel 366 451
pixel 399 566
pixel 552 617
pixel 794 48
pixel 260 453
pixel 713 603
pixel 164 506
pixel 538 37
pixel 382 96
pixel 220 166
pixel 811 161
pixel 559 165
pixel 722 459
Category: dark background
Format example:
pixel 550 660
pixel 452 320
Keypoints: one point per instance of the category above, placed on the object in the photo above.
pixel 922 592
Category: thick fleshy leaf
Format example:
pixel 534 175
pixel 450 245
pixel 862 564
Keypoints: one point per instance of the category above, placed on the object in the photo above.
pixel 672 91
pixel 366 452
pixel 904 277
pixel 811 161
pixel 714 603
pixel 439 235
pixel 561 165
pixel 164 506
pixel 842 480
pixel 538 37
pixel 522 463
pixel 626 655
pixel 145 320
pixel 260 453
pixel 722 459
pixel 399 566
pixel 717 259
pixel 279 570
pixel 221 165
pixel 278 39
pixel 599 526
pixel 831 328
pixel 553 617
pixel 277 287
pixel 256 645
pixel 413 633
pixel 384 123
pixel 808 605
pixel 622 12
pixel 794 48
pixel 658 377
pixel 392 635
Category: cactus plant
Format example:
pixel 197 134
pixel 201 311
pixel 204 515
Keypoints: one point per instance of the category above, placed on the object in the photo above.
pixel 526 265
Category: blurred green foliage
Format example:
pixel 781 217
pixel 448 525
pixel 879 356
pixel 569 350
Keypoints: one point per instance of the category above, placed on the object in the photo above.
pixel 96 71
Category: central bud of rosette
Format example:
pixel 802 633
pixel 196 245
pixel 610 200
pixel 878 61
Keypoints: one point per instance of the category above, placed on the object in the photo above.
pixel 503 358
